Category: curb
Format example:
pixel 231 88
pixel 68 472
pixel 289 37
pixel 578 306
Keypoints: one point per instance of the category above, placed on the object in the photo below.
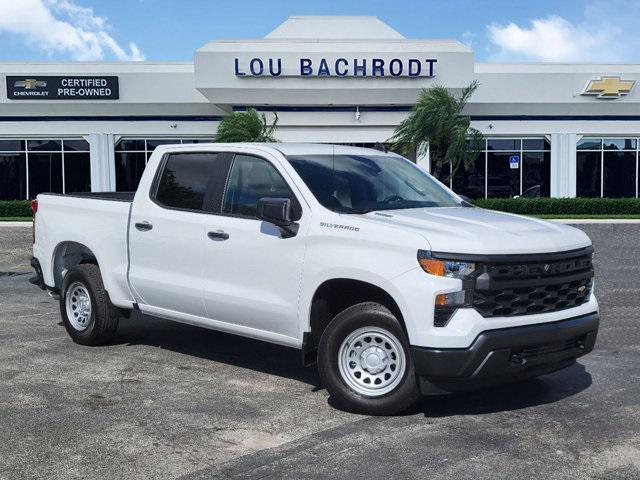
pixel 595 220
pixel 15 224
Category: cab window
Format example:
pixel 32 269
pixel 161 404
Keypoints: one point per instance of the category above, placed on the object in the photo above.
pixel 193 181
pixel 252 178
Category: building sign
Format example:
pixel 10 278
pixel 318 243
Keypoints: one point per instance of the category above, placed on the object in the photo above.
pixel 62 88
pixel 336 67
pixel 514 162
pixel 609 87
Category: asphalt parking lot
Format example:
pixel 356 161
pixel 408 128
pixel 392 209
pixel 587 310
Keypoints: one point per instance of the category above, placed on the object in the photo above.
pixel 172 401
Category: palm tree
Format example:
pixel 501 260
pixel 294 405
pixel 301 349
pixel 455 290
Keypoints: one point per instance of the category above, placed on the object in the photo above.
pixel 436 122
pixel 249 126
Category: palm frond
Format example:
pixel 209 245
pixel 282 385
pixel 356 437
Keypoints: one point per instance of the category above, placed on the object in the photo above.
pixel 249 126
pixel 467 92
pixel 437 120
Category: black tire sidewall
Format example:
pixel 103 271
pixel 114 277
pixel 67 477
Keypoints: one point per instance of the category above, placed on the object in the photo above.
pixel 104 318
pixel 355 317
pixel 77 275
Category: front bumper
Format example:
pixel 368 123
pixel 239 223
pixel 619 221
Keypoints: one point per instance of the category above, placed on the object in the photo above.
pixel 506 354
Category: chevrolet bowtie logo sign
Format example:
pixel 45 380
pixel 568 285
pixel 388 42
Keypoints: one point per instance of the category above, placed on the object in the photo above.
pixel 59 87
pixel 609 87
pixel 30 84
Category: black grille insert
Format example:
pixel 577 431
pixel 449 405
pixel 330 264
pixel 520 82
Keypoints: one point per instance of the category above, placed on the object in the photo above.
pixel 535 286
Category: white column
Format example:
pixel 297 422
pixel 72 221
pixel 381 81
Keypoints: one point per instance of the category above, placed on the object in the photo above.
pixel 103 168
pixel 563 164
pixel 423 160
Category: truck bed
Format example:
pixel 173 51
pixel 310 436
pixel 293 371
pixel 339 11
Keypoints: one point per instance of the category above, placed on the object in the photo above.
pixel 114 196
pixel 96 220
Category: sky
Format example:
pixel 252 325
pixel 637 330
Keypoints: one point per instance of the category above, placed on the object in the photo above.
pixel 170 30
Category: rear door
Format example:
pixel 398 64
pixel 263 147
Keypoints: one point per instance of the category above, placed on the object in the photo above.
pixel 168 229
pixel 252 272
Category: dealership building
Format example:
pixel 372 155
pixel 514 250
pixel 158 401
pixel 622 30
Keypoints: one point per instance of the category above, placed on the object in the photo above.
pixel 559 130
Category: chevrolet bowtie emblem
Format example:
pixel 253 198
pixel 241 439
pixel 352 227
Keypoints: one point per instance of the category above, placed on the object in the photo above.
pixel 30 84
pixel 609 87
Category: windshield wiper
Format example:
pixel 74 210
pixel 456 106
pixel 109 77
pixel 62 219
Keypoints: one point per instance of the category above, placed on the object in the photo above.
pixel 414 188
pixel 408 205
pixel 359 211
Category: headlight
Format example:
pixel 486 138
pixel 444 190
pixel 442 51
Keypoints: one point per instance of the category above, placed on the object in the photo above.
pixel 449 269
pixel 444 268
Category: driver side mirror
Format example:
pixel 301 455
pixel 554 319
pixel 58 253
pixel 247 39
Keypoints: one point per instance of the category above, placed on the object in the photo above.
pixel 275 210
pixel 278 212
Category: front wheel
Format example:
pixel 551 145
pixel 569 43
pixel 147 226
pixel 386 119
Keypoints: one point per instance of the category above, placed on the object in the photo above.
pixel 87 313
pixel 364 361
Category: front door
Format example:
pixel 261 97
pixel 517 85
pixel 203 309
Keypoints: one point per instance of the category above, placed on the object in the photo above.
pixel 252 272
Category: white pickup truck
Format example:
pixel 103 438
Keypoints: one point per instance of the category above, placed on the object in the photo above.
pixel 388 280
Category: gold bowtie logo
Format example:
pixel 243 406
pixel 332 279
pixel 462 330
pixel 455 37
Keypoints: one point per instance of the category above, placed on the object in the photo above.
pixel 609 87
pixel 30 84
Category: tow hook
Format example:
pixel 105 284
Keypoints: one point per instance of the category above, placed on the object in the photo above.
pixel 54 295
pixel 517 359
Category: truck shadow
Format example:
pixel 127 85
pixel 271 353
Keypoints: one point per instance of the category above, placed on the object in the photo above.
pixel 286 362
pixel 534 392
pixel 216 346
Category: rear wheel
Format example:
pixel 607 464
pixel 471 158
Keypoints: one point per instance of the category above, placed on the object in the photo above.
pixel 364 361
pixel 87 313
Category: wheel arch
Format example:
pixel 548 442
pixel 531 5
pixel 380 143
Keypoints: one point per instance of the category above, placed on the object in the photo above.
pixel 68 254
pixel 335 295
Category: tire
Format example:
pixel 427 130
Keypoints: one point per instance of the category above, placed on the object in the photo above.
pixel 91 318
pixel 382 345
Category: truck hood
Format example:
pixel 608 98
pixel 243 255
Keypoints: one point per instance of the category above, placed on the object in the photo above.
pixel 483 232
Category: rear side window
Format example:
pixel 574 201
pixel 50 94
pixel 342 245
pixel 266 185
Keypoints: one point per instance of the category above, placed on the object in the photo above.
pixel 252 178
pixel 193 181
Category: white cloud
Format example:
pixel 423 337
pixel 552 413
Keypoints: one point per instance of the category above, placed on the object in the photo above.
pixel 62 26
pixel 551 39
pixel 555 39
pixel 470 39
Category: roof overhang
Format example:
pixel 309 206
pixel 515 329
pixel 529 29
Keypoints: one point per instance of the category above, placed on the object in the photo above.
pixel 328 71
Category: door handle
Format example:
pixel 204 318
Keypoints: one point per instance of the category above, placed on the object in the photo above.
pixel 144 226
pixel 218 236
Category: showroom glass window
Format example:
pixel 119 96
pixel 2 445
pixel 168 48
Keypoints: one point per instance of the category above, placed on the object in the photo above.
pixel 607 167
pixel 132 154
pixel 506 167
pixel 32 166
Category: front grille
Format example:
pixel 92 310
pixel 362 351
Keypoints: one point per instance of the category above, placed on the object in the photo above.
pixel 527 300
pixel 533 286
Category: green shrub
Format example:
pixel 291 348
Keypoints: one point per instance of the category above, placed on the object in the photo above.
pixel 15 208
pixel 563 206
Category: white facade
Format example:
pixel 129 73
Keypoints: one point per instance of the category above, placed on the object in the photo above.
pixel 334 80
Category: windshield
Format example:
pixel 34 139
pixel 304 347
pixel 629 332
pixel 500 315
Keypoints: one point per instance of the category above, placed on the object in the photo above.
pixel 361 184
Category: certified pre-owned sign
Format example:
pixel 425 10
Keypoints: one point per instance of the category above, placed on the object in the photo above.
pixel 62 88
